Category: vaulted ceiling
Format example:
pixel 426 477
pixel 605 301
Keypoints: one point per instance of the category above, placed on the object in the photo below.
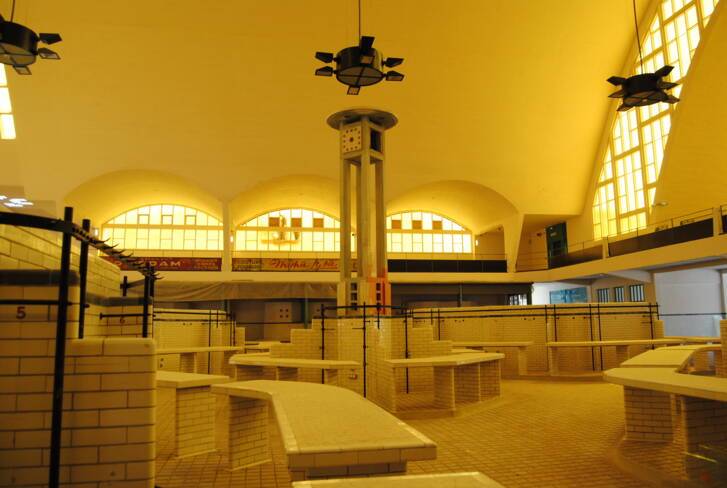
pixel 508 94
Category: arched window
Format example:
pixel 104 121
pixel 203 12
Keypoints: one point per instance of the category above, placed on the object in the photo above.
pixel 289 229
pixel 632 163
pixel 7 123
pixel 162 227
pixel 426 232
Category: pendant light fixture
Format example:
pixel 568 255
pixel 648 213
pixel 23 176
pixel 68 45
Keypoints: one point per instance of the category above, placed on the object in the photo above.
pixel 19 44
pixel 645 88
pixel 361 65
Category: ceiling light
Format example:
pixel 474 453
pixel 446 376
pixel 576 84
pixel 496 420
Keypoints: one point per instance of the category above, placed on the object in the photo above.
pixel 394 76
pixel 644 88
pixel 358 66
pixel 324 71
pixel 19 46
pixel 7 126
pixel 391 62
pixel 5 106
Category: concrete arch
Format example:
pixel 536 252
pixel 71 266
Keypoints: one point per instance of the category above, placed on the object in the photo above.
pixel 111 194
pixel 295 191
pixel 474 206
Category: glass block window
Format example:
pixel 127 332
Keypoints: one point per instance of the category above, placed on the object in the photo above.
pixel 603 295
pixel 7 122
pixel 426 232
pixel 165 227
pixel 636 293
pixel 627 181
pixel 289 229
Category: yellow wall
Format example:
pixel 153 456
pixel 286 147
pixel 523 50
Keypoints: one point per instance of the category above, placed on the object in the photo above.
pixel 694 173
pixel 107 196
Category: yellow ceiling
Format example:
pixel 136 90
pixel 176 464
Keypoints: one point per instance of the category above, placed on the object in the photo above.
pixel 506 94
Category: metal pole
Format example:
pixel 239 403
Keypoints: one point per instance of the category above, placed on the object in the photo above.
pixel 209 339
pixel 152 283
pixel 145 310
pixel 590 330
pixel 124 286
pixel 83 275
pixel 555 323
pixel 323 340
pixel 364 349
pixel 406 346
pixel 439 325
pixel 600 332
pixel 60 355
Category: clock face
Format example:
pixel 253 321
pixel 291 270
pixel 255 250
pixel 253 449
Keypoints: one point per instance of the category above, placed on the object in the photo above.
pixel 351 139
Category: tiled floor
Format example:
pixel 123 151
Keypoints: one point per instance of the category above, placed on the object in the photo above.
pixel 538 434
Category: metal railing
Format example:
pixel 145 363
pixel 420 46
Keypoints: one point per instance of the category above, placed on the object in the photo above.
pixel 71 231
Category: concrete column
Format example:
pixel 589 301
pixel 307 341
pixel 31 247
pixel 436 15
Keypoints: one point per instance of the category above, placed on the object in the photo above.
pixel 522 360
pixel 345 229
pixel 227 368
pixel 188 362
pixel 226 237
pixel 703 422
pixel 467 383
pixel 248 437
pixel 366 209
pixel 490 375
pixel 648 415
pixel 194 423
pixel 444 393
pixel 381 260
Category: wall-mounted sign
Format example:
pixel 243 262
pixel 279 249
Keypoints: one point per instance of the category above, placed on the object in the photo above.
pixel 284 264
pixel 175 264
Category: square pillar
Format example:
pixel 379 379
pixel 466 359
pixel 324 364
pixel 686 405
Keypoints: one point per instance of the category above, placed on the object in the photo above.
pixel 444 394
pixel 719 364
pixel 188 362
pixel 227 368
pixel 522 360
pixel 467 383
pixel 330 377
pixel 194 424
pixel 648 415
pixel 702 422
pixel 553 357
pixel 490 375
pixel 248 433
pixel 700 361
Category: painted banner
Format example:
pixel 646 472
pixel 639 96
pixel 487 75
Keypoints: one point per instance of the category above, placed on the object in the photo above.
pixel 175 264
pixel 284 264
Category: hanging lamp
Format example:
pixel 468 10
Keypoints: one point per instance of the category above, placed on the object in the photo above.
pixel 359 66
pixel 645 88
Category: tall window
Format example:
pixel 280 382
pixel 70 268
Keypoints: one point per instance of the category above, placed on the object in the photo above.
pixel 426 232
pixel 603 295
pixel 636 293
pixel 7 123
pixel 161 227
pixel 632 163
pixel 289 229
pixel 618 294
